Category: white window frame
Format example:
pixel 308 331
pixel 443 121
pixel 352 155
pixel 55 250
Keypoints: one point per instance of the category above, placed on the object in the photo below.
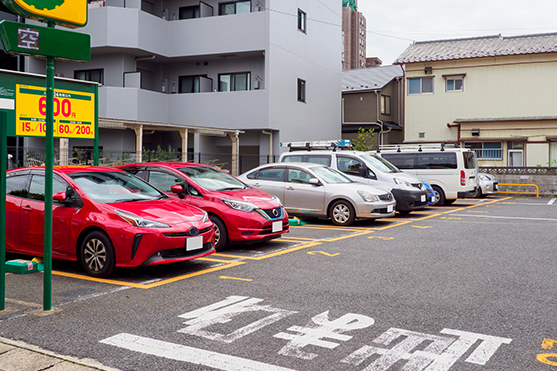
pixel 421 85
pixel 454 78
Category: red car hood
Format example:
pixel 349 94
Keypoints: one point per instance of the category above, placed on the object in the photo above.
pixel 259 198
pixel 166 211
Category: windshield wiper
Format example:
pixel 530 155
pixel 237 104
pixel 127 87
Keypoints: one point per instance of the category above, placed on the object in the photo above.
pixel 133 199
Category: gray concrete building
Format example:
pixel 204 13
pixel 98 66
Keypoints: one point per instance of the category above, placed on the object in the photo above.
pixel 212 78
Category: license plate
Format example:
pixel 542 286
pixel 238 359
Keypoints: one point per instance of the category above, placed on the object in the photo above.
pixel 194 243
pixel 277 226
pixel 390 208
pixel 423 198
pixel 495 187
pixel 433 199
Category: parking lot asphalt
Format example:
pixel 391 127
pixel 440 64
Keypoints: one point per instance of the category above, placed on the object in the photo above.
pixel 20 351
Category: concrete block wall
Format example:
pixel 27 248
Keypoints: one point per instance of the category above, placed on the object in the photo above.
pixel 544 178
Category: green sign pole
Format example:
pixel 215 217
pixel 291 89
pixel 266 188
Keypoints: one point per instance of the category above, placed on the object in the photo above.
pixel 49 148
pixel 3 166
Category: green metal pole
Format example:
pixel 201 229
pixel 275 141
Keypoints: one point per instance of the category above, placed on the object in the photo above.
pixel 3 166
pixel 49 149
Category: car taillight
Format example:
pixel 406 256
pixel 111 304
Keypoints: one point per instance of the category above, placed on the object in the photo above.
pixel 462 178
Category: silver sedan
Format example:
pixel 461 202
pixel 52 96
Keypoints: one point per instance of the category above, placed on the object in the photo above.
pixel 307 189
pixel 487 185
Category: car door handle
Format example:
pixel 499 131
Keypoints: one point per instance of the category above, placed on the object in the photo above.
pixel 289 188
pixel 256 185
pixel 27 208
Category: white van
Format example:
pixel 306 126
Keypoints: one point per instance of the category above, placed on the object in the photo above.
pixel 450 170
pixel 409 191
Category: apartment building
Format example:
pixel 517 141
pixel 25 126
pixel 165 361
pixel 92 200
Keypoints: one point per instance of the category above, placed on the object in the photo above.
pixel 221 78
pixel 354 36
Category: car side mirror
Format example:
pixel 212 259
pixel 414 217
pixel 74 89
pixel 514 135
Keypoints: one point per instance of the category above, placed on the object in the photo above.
pixel 314 181
pixel 60 196
pixel 177 188
pixel 362 171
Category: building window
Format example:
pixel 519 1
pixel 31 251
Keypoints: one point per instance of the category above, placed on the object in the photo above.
pixel 454 84
pixel 486 150
pixel 234 7
pixel 301 90
pixel 90 75
pixel 420 85
pixel 189 12
pixel 301 21
pixel 235 81
pixel 385 105
pixel 190 84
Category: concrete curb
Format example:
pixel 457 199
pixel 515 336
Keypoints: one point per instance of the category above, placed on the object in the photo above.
pixel 91 363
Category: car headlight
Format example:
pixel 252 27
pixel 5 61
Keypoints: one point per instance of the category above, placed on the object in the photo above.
pixel 138 221
pixel 484 177
pixel 240 205
pixel 402 182
pixel 368 197
pixel 205 216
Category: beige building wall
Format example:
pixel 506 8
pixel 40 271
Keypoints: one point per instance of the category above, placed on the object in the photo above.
pixel 506 98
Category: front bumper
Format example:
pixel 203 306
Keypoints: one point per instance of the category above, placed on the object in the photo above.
pixel 252 227
pixel 374 210
pixel 490 188
pixel 407 199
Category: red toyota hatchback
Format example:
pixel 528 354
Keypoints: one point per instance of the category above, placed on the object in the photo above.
pixel 104 218
pixel 241 214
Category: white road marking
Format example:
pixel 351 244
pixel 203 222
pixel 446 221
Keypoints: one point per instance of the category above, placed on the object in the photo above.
pixel 184 353
pixel 551 201
pixel 505 217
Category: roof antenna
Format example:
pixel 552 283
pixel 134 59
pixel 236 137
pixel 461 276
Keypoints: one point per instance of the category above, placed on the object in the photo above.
pixel 442 147
pixel 398 149
pixel 420 148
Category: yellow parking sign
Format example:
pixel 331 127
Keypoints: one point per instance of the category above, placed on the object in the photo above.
pixel 69 13
pixel 74 112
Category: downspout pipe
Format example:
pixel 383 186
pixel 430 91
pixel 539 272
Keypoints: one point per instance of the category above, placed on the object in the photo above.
pixel 378 108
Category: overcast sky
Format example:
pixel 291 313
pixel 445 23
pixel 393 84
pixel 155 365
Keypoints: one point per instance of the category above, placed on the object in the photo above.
pixel 392 25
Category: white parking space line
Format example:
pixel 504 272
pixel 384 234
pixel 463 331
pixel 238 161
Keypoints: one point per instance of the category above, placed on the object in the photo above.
pixel 184 353
pixel 504 217
pixel 551 201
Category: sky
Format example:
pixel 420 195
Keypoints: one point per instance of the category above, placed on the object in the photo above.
pixel 392 25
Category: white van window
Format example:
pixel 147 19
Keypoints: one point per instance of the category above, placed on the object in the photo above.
pixel 380 164
pixel 349 165
pixel 469 160
pixel 437 160
pixel 401 160
pixel 293 158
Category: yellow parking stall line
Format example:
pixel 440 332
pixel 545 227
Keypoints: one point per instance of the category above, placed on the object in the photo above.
pixel 301 239
pixel 276 253
pixel 309 226
pixel 228 264
pixel 480 204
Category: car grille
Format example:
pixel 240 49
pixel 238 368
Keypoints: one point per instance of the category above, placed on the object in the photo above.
pixel 186 234
pixel 380 211
pixel 271 213
pixel 386 197
pixel 180 253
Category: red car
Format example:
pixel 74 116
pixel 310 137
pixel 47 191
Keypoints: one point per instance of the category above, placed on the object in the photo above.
pixel 104 218
pixel 240 213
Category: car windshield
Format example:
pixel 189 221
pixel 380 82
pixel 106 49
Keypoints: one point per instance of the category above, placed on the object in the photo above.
pixel 212 179
pixel 329 175
pixel 380 164
pixel 108 187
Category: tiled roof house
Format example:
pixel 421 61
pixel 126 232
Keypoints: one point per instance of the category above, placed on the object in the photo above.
pixel 494 94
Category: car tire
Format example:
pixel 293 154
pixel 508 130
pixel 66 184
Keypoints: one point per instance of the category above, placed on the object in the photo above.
pixel 439 195
pixel 221 233
pixel 449 202
pixel 97 255
pixel 404 212
pixel 479 193
pixel 342 213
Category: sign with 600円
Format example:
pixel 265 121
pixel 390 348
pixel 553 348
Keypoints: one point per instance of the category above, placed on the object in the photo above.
pixel 74 112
